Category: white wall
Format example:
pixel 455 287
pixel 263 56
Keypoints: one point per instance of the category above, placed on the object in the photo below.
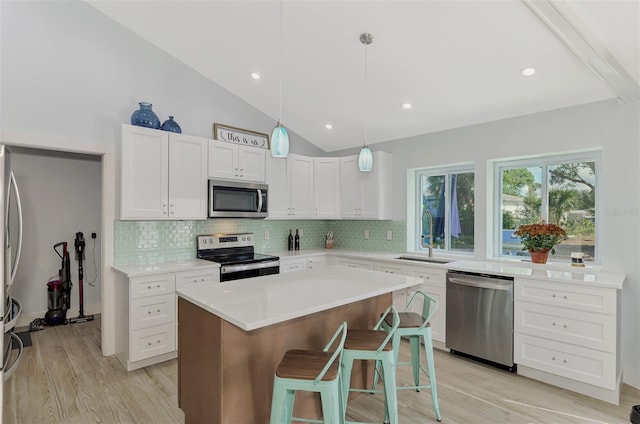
pixel 60 196
pixel 609 125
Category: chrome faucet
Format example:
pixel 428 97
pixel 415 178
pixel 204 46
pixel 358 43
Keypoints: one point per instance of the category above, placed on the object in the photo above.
pixel 430 244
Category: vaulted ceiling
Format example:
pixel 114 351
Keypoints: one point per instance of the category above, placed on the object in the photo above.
pixel 456 62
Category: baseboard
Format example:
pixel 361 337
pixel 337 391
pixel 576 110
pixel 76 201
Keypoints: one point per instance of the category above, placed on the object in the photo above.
pixel 89 309
pixel 607 395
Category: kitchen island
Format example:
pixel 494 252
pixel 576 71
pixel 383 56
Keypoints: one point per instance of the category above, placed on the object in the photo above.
pixel 233 335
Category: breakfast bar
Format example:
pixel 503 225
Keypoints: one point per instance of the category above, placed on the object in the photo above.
pixel 232 336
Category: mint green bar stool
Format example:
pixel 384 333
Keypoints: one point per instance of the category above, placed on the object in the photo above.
pixel 417 328
pixel 374 345
pixel 314 371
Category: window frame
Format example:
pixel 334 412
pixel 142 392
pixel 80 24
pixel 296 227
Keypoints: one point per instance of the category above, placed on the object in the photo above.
pixel 447 171
pixel 543 161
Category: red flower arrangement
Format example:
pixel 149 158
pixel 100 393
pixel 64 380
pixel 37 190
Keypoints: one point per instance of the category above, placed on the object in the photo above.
pixel 540 237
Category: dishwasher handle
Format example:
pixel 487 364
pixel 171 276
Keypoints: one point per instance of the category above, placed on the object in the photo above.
pixel 481 282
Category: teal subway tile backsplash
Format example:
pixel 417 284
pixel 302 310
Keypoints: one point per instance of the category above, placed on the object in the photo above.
pixel 153 242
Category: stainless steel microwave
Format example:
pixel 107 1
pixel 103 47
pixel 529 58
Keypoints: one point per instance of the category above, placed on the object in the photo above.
pixel 237 199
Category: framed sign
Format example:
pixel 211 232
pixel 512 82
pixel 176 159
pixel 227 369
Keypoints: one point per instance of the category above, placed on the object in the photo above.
pixel 239 136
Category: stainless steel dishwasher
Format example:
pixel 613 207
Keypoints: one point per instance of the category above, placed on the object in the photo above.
pixel 480 316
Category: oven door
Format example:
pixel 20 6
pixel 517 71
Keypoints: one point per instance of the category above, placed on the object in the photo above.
pixel 236 272
pixel 233 199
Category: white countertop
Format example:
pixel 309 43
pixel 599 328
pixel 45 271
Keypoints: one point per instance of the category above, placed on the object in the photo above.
pixel 189 265
pixel 548 272
pixel 259 302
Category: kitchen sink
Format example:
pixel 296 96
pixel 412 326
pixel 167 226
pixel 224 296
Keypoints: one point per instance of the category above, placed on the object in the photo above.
pixel 425 259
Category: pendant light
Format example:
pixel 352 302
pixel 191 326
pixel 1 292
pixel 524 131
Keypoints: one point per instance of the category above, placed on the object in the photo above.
pixel 279 136
pixel 365 158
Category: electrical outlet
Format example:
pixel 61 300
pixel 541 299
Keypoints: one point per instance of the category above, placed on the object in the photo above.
pixel 389 235
pixel 301 232
pixel 93 234
pixel 266 234
pixel 366 234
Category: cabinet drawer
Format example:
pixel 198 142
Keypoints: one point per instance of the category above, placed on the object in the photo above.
pixel 316 262
pixel 192 278
pixel 293 265
pixel 390 269
pixel 354 263
pixel 151 311
pixel 152 285
pixel 430 277
pixel 596 331
pixel 584 365
pixel 152 341
pixel 591 299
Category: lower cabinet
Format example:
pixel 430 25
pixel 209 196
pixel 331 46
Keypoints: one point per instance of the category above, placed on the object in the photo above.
pixel 146 322
pixel 434 285
pixel 351 262
pixel 566 335
pixel 295 264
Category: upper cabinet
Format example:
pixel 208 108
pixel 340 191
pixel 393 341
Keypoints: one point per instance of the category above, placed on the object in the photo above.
pixel 326 184
pixel 230 161
pixel 302 187
pixel 163 175
pixel 300 179
pixel 366 195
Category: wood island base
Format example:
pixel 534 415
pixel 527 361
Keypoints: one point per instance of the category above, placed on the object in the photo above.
pixel 225 374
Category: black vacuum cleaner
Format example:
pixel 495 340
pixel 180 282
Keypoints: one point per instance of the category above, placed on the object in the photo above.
pixel 79 245
pixel 59 290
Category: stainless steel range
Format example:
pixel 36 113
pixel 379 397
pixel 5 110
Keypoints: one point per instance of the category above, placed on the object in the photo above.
pixel 235 254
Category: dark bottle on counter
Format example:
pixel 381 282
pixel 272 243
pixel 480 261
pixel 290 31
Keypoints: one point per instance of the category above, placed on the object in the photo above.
pixel 297 240
pixel 290 241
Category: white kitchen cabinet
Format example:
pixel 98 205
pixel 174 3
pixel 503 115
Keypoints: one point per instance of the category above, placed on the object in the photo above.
pixel 291 185
pixel 146 330
pixel 279 205
pixel 229 161
pixel 316 262
pixel 366 195
pixel 352 262
pixel 326 187
pixel 146 316
pixel 300 177
pixel 292 264
pixel 163 175
pixel 567 335
pixel 434 285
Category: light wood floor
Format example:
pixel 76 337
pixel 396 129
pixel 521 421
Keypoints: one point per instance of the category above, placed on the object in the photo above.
pixel 63 378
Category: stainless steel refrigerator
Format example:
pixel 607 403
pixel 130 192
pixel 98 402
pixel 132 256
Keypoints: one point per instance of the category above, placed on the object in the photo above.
pixel 10 308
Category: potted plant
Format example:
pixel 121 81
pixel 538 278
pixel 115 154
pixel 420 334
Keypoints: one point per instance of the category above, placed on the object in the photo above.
pixel 539 239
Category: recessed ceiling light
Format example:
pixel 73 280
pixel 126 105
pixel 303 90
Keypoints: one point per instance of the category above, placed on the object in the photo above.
pixel 255 75
pixel 527 72
pixel 406 106
pixel 328 126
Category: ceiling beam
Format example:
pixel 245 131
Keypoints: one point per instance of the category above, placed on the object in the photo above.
pixel 560 19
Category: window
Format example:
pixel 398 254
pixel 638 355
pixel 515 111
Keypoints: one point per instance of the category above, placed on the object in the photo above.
pixel 561 190
pixel 445 209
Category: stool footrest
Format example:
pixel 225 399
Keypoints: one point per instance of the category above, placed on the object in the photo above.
pixel 426 386
pixel 307 420
pixel 366 391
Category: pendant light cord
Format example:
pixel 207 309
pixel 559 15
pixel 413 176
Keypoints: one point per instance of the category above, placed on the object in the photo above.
pixel 280 64
pixel 366 91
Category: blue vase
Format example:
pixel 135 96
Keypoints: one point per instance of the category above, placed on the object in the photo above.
pixel 171 126
pixel 145 117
